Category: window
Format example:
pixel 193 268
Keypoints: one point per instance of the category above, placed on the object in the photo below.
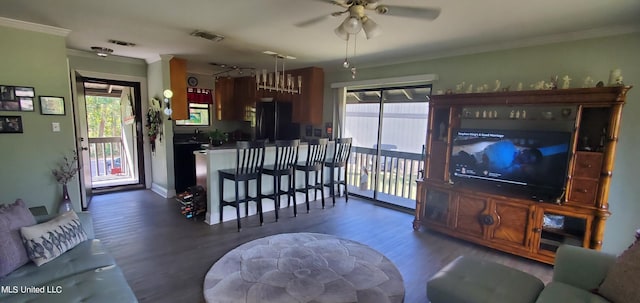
pixel 198 115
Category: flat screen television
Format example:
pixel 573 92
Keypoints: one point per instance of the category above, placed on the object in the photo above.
pixel 531 163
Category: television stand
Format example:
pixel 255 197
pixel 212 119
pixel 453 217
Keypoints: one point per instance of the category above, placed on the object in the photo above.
pixel 530 224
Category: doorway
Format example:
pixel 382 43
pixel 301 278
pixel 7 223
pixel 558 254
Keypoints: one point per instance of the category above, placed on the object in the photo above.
pixel 388 127
pixel 110 134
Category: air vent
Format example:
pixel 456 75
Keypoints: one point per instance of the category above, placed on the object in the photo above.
pixel 102 51
pixel 122 43
pixel 208 36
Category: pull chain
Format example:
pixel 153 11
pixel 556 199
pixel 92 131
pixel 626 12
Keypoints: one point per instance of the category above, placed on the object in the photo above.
pixel 346 64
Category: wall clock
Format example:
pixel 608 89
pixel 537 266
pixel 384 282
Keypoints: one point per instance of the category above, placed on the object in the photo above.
pixel 192 81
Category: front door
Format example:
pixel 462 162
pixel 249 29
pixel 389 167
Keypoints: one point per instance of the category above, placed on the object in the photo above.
pixel 110 134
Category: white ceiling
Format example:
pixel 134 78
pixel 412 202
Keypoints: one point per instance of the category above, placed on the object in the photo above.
pixel 162 27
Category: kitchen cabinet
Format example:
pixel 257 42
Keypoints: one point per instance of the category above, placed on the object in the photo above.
pixel 308 105
pixel 235 95
pixel 178 78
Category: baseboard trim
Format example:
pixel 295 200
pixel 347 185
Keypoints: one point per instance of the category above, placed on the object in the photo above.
pixel 163 191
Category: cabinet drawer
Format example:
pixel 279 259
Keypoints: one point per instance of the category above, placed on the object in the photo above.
pixel 583 191
pixel 587 165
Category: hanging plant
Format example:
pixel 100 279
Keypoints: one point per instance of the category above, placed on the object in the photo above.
pixel 154 127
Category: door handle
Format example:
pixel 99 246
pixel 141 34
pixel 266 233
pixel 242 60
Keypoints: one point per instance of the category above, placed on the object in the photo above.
pixel 84 148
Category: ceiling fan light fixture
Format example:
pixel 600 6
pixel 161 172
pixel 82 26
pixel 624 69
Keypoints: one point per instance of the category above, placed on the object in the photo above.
pixel 352 25
pixel 341 33
pixel 371 29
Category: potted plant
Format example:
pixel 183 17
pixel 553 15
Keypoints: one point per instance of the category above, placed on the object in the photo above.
pixel 217 138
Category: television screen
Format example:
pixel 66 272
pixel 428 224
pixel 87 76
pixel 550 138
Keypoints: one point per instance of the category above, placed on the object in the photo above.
pixel 532 161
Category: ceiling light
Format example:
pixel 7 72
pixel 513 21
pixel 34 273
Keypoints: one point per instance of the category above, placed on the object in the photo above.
pixel 208 36
pixel 340 32
pixel 352 25
pixel 371 29
pixel 279 80
pixel 102 51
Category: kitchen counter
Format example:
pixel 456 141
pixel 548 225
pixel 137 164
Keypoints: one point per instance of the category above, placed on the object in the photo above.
pixel 224 157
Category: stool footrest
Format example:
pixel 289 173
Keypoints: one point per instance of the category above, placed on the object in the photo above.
pixel 467 280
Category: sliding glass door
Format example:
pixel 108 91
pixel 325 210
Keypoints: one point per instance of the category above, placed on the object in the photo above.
pixel 388 127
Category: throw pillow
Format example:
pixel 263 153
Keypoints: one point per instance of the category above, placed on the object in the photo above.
pixel 46 241
pixel 620 285
pixel 12 252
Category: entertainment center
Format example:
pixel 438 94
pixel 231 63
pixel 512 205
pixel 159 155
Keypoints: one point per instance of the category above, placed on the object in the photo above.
pixel 523 171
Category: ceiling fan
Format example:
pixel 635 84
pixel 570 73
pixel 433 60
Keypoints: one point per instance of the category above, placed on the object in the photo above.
pixel 358 20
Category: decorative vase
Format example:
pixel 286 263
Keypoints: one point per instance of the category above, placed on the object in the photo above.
pixel 65 204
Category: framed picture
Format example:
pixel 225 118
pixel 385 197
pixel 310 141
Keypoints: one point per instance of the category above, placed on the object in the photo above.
pixel 24 91
pixel 50 105
pixel 7 93
pixel 26 104
pixel 10 124
pixel 9 105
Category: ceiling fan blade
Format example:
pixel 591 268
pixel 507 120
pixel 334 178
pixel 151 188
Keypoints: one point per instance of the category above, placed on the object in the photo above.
pixel 409 12
pixel 312 21
pixel 335 2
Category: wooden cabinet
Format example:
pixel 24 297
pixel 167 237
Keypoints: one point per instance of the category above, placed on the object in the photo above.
pixel 224 98
pixel 470 215
pixel 555 226
pixel 507 220
pixel 308 105
pixel 234 96
pixel 478 218
pixel 178 78
pixel 510 223
pixel 585 178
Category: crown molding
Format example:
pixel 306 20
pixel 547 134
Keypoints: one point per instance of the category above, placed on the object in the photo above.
pixel 520 43
pixel 112 58
pixel 34 27
pixel 153 59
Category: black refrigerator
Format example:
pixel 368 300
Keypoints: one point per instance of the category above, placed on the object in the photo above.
pixel 273 121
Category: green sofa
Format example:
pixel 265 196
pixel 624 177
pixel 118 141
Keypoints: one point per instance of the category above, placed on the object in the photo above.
pixel 577 273
pixel 85 273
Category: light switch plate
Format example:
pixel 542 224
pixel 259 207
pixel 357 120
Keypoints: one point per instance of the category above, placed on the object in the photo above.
pixel 55 127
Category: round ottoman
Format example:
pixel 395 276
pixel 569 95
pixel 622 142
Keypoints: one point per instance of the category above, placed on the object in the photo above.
pixel 303 267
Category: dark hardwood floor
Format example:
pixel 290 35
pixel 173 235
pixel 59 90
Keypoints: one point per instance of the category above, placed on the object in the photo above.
pixel 165 256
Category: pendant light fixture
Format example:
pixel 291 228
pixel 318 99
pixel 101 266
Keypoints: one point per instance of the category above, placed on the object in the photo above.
pixel 279 80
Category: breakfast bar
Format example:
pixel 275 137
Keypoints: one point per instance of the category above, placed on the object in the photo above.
pixel 209 161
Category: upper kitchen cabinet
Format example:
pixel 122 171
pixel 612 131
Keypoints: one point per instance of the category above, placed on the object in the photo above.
pixel 224 94
pixel 307 106
pixel 178 77
pixel 234 96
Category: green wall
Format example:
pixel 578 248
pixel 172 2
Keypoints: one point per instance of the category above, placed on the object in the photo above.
pixel 38 60
pixel 578 59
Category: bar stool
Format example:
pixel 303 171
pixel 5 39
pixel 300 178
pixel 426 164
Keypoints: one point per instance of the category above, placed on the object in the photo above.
pixel 286 158
pixel 249 162
pixel 315 159
pixel 340 158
